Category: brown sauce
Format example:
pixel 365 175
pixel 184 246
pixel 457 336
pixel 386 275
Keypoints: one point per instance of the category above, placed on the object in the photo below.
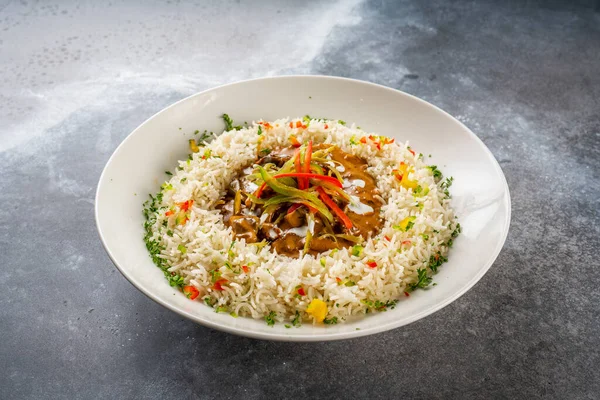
pixel 287 231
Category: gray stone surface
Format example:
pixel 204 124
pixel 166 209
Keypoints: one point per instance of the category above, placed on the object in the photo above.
pixel 77 77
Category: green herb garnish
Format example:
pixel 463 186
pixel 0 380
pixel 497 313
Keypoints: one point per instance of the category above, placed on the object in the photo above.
pixel 270 319
pixel 423 280
pixel 297 321
pixel 150 210
pixel 437 174
pixel 456 231
pixel 209 301
pixel 446 185
pixel 229 123
pixel 436 261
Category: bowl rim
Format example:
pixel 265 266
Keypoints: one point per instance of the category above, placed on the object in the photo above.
pixel 389 325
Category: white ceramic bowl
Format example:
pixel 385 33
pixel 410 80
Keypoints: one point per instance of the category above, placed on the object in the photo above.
pixel 480 193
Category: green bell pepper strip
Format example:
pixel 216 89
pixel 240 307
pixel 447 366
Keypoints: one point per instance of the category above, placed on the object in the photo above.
pixel 294 193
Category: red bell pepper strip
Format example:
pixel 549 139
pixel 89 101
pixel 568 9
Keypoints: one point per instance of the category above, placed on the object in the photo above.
pixel 218 284
pixel 186 205
pixel 371 264
pixel 301 292
pixel 334 207
pixel 294 207
pixel 190 292
pixel 259 191
pixel 245 268
pixel 169 213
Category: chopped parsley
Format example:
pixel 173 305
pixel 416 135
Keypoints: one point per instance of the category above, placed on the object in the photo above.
pixel 183 180
pixel 350 283
pixel 423 280
pixel 270 319
pixel 353 141
pixel 209 301
pixel 425 236
pixel 150 210
pixel 170 233
pixel 456 231
pixel 182 248
pixel 260 130
pixel 437 174
pixel 435 261
pixel 287 326
pixel 342 122
pixel 266 151
pixel 297 321
pixel 331 321
pixel 221 309
pixel 205 135
pixel 446 185
pixel 168 173
pixel 229 123
pixel 379 305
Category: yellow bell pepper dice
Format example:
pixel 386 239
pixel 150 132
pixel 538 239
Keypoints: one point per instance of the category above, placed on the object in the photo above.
pixel 318 309
pixel 405 224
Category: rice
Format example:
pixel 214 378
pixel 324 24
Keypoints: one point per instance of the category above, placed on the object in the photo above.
pixel 196 252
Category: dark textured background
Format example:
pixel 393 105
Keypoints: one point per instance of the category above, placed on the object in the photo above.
pixel 77 77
